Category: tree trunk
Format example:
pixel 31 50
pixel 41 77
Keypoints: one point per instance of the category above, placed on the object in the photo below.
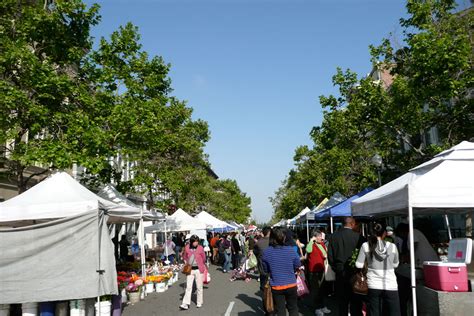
pixel 20 179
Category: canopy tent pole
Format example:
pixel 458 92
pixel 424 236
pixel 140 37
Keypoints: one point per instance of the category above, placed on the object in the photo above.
pixel 412 253
pixel 166 247
pixel 332 225
pixel 307 230
pixel 449 227
pixel 141 234
pixel 101 214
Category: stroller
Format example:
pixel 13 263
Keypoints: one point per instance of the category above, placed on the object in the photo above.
pixel 242 273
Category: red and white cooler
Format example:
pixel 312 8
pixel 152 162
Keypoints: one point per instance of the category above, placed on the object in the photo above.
pixel 450 276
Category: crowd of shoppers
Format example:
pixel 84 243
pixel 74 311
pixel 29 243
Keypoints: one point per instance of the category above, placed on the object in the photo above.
pixel 281 256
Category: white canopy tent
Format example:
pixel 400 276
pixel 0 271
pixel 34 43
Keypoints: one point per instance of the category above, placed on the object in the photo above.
pixel 60 196
pixel 109 192
pixel 445 184
pixel 211 221
pixel 73 221
pixel 178 222
pixel 300 214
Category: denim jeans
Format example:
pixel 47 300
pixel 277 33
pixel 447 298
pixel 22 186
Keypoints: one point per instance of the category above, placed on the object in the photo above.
pixel 285 299
pixel 226 266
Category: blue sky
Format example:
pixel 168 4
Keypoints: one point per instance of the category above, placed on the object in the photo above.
pixel 253 69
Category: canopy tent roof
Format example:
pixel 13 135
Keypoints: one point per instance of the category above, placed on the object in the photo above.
pixel 178 222
pixel 335 199
pixel 236 225
pixel 343 208
pixel 301 213
pixel 110 193
pixel 252 227
pixel 212 222
pixel 61 196
pixel 444 184
pixel 282 223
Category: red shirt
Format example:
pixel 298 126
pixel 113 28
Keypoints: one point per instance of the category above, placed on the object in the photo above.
pixel 316 259
pixel 213 241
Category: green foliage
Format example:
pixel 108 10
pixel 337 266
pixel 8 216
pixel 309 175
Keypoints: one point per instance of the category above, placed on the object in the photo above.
pixel 430 86
pixel 64 102
pixel 43 95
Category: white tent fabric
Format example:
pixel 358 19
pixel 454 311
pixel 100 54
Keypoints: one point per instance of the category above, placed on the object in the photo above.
pixel 210 220
pixel 110 193
pixel 446 183
pixel 282 223
pixel 58 260
pixel 178 222
pixel 61 196
pixel 300 214
pixel 442 185
pixel 236 225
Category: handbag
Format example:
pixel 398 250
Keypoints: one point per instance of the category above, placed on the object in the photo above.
pixel 329 274
pixel 359 281
pixel 268 297
pixel 187 269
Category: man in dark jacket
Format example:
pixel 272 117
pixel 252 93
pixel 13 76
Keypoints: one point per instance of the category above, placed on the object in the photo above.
pixel 258 251
pixel 341 246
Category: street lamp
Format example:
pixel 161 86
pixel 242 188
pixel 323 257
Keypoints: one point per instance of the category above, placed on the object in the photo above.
pixel 378 162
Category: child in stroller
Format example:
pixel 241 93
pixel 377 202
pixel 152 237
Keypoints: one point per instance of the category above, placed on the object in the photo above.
pixel 242 273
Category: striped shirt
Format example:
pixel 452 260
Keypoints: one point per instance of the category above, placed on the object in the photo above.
pixel 281 262
pixel 380 273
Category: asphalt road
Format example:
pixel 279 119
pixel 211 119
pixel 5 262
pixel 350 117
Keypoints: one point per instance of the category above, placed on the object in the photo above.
pixel 221 297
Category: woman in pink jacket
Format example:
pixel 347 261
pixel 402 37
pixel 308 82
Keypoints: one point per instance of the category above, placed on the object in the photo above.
pixel 194 255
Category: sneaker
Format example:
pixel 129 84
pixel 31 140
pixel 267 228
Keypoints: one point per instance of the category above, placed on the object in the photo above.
pixel 184 306
pixel 199 305
pixel 319 312
pixel 225 271
pixel 325 310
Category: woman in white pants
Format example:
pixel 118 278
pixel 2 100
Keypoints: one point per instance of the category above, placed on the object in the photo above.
pixel 194 255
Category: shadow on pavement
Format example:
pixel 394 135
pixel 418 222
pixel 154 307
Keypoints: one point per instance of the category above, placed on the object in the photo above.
pixel 254 303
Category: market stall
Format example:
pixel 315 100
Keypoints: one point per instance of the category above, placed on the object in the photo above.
pixel 443 185
pixel 110 193
pixel 59 228
pixel 335 199
pixel 215 224
pixel 339 210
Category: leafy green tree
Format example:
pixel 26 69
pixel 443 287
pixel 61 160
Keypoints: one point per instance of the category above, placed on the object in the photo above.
pixel 44 99
pixel 228 202
pixel 144 123
pixel 432 84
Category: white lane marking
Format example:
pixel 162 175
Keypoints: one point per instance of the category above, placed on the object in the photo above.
pixel 229 308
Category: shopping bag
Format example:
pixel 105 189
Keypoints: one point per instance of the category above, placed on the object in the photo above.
pixel 301 287
pixel 252 261
pixel 329 274
pixel 207 277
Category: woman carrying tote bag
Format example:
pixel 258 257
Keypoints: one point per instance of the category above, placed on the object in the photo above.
pixel 382 259
pixel 194 256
